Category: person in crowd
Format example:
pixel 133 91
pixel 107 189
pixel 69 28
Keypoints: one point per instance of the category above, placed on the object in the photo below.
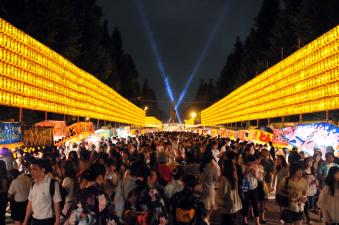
pixel 18 194
pixel 280 170
pixel 186 206
pixel 325 167
pixel 163 169
pixel 70 184
pixel 176 184
pixel 272 150
pixel 112 177
pixel 297 194
pixel 329 197
pixel 4 183
pixel 145 203
pixel 294 156
pixel 215 151
pixel 74 157
pixel 228 195
pixel 209 174
pixel 85 160
pixel 93 206
pixel 250 189
pixel 44 197
pixel 264 186
pixel 312 187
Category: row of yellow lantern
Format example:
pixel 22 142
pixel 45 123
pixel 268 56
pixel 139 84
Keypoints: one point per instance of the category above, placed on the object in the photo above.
pixel 40 82
pixel 317 65
pixel 43 74
pixel 27 65
pixel 283 90
pixel 312 73
pixel 306 107
pixel 38 52
pixel 46 57
pixel 324 40
pixel 151 121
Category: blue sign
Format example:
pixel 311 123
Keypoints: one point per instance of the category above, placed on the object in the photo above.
pixel 10 133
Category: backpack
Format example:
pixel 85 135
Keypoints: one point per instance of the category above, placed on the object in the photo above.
pixel 63 193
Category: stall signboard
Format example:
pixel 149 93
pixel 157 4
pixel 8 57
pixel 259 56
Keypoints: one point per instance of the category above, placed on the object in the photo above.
pixel 278 138
pixel 10 133
pixel 38 136
pixel 315 135
pixel 75 130
pixel 103 134
pixel 59 127
pixel 260 136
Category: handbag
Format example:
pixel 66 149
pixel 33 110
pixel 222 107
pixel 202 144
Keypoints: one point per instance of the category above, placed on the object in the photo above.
pixel 228 202
pixel 282 198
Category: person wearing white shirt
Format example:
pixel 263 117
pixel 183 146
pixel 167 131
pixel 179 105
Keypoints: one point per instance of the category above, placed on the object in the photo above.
pixel 215 151
pixel 40 201
pixel 19 191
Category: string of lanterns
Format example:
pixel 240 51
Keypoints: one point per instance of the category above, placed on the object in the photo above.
pixel 307 81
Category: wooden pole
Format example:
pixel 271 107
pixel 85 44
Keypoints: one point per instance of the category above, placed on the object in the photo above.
pixel 283 121
pixel 20 115
pixel 46 115
pixel 327 116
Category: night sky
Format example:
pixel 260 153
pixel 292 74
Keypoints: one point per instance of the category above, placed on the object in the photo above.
pixel 181 29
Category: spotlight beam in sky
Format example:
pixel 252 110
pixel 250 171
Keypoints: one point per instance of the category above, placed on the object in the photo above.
pixel 154 48
pixel 202 56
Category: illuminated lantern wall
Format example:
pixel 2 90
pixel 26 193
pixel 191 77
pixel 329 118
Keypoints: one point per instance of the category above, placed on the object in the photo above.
pixel 152 122
pixel 35 77
pixel 307 81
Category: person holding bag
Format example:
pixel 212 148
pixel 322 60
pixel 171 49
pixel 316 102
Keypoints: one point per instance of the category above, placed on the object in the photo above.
pixel 296 188
pixel 228 198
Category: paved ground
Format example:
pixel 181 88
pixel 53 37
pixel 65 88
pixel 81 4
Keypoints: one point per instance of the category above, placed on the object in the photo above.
pixel 272 216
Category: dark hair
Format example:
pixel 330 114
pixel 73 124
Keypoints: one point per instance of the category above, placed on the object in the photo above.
pixel 190 181
pixel 85 155
pixel 329 154
pixel 330 180
pixel 111 162
pixel 228 172
pixel 177 173
pixel 3 169
pixel 207 158
pixel 48 166
pixel 283 162
pixel 140 169
pixel 14 173
pixel 69 168
pixel 294 167
pixel 40 163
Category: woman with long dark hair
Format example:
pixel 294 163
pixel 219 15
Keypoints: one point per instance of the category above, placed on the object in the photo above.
pixel 209 174
pixel 329 197
pixel 228 191
pixel 69 183
pixel 3 191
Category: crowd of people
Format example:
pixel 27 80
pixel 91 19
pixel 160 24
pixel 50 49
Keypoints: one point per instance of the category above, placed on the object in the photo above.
pixel 169 178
